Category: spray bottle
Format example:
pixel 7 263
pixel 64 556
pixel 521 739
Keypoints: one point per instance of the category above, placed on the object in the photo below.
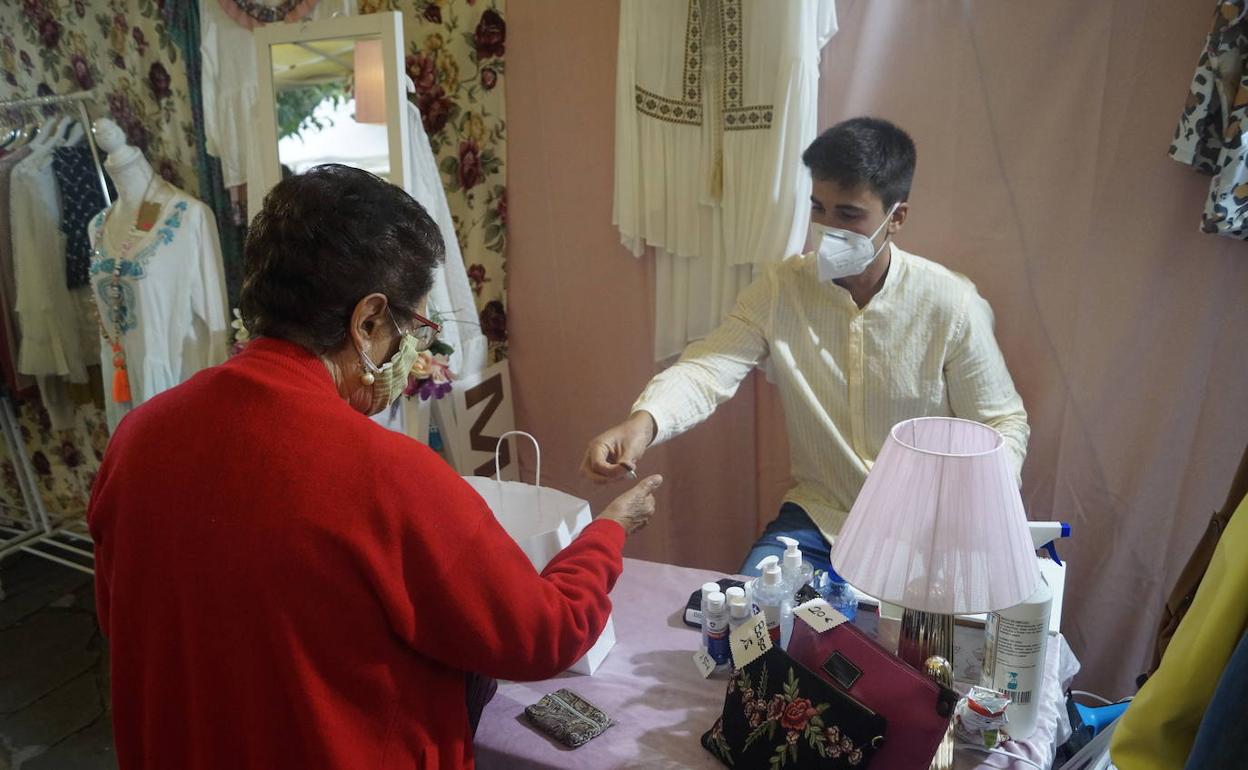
pixel 1015 642
pixel 1044 533
pixel 715 623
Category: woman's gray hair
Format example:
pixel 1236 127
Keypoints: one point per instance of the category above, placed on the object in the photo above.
pixel 324 240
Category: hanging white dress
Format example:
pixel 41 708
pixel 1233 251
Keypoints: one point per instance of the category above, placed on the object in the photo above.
pixel 172 317
pixel 715 102
pixel 50 347
pixel 451 297
pixel 228 52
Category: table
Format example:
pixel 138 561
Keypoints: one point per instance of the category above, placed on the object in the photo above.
pixel 661 705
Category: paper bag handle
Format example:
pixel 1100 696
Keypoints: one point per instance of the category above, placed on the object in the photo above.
pixel 498 474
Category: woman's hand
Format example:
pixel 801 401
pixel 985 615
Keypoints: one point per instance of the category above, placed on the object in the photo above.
pixel 633 509
pixel 616 451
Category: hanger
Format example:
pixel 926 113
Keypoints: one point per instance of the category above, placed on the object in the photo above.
pixel 47 133
pixel 73 135
pixel 24 132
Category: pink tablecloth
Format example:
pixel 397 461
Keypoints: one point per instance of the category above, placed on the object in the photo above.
pixel 661 706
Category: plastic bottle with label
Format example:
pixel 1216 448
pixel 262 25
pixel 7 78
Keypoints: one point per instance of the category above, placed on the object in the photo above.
pixel 739 611
pixel 715 623
pixel 839 594
pixel 739 614
pixel 1015 643
pixel 707 589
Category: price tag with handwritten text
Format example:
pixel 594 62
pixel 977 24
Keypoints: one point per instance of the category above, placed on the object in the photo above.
pixel 819 615
pixel 703 660
pixel 749 641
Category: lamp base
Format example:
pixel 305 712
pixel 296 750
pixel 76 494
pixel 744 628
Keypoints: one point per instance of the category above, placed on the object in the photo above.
pixel 924 635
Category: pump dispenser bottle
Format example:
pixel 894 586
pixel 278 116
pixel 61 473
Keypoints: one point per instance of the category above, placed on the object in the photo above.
pixel 773 599
pixel 796 572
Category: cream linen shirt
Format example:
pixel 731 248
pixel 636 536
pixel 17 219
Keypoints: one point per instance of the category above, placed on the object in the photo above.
pixel 922 347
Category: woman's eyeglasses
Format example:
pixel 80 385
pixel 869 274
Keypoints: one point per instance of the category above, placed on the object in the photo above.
pixel 426 332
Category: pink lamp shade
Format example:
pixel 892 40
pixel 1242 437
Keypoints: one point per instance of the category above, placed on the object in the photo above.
pixel 939 524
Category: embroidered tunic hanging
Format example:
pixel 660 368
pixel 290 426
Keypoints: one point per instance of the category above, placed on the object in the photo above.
pixel 716 99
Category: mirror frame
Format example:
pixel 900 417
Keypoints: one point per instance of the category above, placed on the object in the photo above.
pixel 388 26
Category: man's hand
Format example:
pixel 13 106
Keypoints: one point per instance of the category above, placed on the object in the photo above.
pixel 615 453
pixel 633 509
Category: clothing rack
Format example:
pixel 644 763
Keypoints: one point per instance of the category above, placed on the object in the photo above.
pixel 79 98
pixel 63 540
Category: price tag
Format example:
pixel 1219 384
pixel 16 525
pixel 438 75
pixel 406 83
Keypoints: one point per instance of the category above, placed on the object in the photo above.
pixel 819 615
pixel 750 641
pixel 705 663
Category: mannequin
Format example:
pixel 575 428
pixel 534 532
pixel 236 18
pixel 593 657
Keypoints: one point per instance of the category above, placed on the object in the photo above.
pixel 130 172
pixel 157 281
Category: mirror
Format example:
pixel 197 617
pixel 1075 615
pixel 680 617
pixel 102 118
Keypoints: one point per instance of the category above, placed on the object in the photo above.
pixel 334 94
pixel 330 105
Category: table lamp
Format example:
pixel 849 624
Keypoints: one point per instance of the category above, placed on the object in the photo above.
pixel 370 82
pixel 938 529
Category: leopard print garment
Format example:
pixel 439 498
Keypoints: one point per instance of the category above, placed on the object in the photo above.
pixel 1212 135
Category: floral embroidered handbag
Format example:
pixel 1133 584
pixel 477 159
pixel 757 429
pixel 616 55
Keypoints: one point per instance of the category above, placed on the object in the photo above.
pixel 778 713
pixel 916 708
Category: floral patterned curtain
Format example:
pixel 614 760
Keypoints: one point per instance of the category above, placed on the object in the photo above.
pixel 455 57
pixel 127 53
pixel 122 50
pixel 119 48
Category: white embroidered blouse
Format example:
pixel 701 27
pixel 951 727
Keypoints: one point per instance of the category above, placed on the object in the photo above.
pixel 171 318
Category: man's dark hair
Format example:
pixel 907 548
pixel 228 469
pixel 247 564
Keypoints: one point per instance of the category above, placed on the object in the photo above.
pixel 324 240
pixel 865 150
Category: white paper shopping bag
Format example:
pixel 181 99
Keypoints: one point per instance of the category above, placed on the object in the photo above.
pixel 543 522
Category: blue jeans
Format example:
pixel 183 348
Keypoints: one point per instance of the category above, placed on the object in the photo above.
pixel 795 523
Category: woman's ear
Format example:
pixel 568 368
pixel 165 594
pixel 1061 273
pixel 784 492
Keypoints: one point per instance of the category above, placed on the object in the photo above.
pixel 367 328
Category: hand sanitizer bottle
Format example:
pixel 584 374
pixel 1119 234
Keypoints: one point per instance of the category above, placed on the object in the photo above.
pixel 770 595
pixel 797 573
pixel 715 628
pixel 751 586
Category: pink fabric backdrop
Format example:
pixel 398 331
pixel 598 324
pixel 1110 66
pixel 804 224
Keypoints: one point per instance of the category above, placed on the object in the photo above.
pixel 1042 130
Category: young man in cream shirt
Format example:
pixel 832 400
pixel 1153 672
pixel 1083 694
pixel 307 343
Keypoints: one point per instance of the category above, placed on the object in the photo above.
pixel 861 336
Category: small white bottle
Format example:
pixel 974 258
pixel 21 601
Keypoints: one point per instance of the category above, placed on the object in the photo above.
pixel 770 596
pixel 1015 644
pixel 715 627
pixel 738 608
pixel 707 589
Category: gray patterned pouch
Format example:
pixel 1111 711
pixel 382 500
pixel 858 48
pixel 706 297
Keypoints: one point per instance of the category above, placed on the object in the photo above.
pixel 568 718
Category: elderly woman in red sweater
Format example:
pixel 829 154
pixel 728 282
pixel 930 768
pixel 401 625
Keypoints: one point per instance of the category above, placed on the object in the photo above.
pixel 286 584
